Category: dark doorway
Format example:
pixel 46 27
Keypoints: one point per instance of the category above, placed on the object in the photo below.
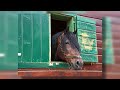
pixel 57 26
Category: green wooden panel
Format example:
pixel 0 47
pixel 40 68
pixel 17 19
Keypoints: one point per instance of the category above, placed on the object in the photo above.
pixel 45 37
pixel 85 19
pixel 71 24
pixel 88 49
pixel 86 26
pixel 87 41
pixel 27 38
pixel 36 35
pixel 34 38
pixel 44 65
pixel 86 33
pixel 108 53
pixel 89 57
pixel 8 40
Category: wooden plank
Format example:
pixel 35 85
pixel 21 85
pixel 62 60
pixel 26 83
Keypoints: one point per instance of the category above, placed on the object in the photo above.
pixel 98 29
pixel 9 75
pixel 59 73
pixel 85 19
pixel 99 58
pixel 116 51
pixel 116 43
pixel 116 35
pixel 97 66
pixel 115 20
pixel 117 59
pixel 115 27
pixel 98 22
pixel 99 51
pixel 99 43
pixel 88 49
pixel 112 68
pixel 86 26
pixel 100 14
pixel 99 36
pixel 86 33
pixel 87 41
pixel 112 75
pixel 89 57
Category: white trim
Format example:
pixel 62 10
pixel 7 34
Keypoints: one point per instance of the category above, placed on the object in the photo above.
pixel 49 37
pixel 19 54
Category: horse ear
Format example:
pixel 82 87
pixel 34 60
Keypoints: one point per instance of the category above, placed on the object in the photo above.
pixel 66 30
pixel 75 32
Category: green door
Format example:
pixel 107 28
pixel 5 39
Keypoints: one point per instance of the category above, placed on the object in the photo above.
pixel 86 33
pixel 8 40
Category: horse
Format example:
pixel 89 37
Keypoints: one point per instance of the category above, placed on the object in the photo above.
pixel 65 47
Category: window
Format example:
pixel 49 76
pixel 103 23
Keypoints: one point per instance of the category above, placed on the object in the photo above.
pixel 58 24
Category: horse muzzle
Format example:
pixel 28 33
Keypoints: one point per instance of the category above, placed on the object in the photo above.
pixel 77 65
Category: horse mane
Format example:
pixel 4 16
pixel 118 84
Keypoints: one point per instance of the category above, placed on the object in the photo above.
pixel 71 36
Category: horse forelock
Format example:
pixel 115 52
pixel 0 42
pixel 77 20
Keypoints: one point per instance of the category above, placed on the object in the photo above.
pixel 73 39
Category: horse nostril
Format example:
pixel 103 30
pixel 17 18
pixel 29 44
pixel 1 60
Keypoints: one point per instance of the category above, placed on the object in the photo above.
pixel 78 62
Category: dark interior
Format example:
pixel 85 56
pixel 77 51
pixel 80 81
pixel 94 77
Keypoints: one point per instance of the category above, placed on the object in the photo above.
pixel 57 26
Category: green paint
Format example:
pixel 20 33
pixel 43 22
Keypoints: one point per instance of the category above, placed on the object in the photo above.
pixel 71 24
pixel 61 17
pixel 108 53
pixel 86 26
pixel 8 40
pixel 87 41
pixel 85 19
pixel 88 49
pixel 34 42
pixel 89 57
pixel 84 33
pixel 43 65
pixel 27 37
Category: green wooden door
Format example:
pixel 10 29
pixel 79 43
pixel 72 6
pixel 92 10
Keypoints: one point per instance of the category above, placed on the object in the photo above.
pixel 33 39
pixel 8 40
pixel 86 33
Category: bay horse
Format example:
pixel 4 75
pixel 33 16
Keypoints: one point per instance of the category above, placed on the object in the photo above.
pixel 65 47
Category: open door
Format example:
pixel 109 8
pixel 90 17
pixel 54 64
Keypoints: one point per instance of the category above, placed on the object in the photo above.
pixel 86 33
pixel 34 45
